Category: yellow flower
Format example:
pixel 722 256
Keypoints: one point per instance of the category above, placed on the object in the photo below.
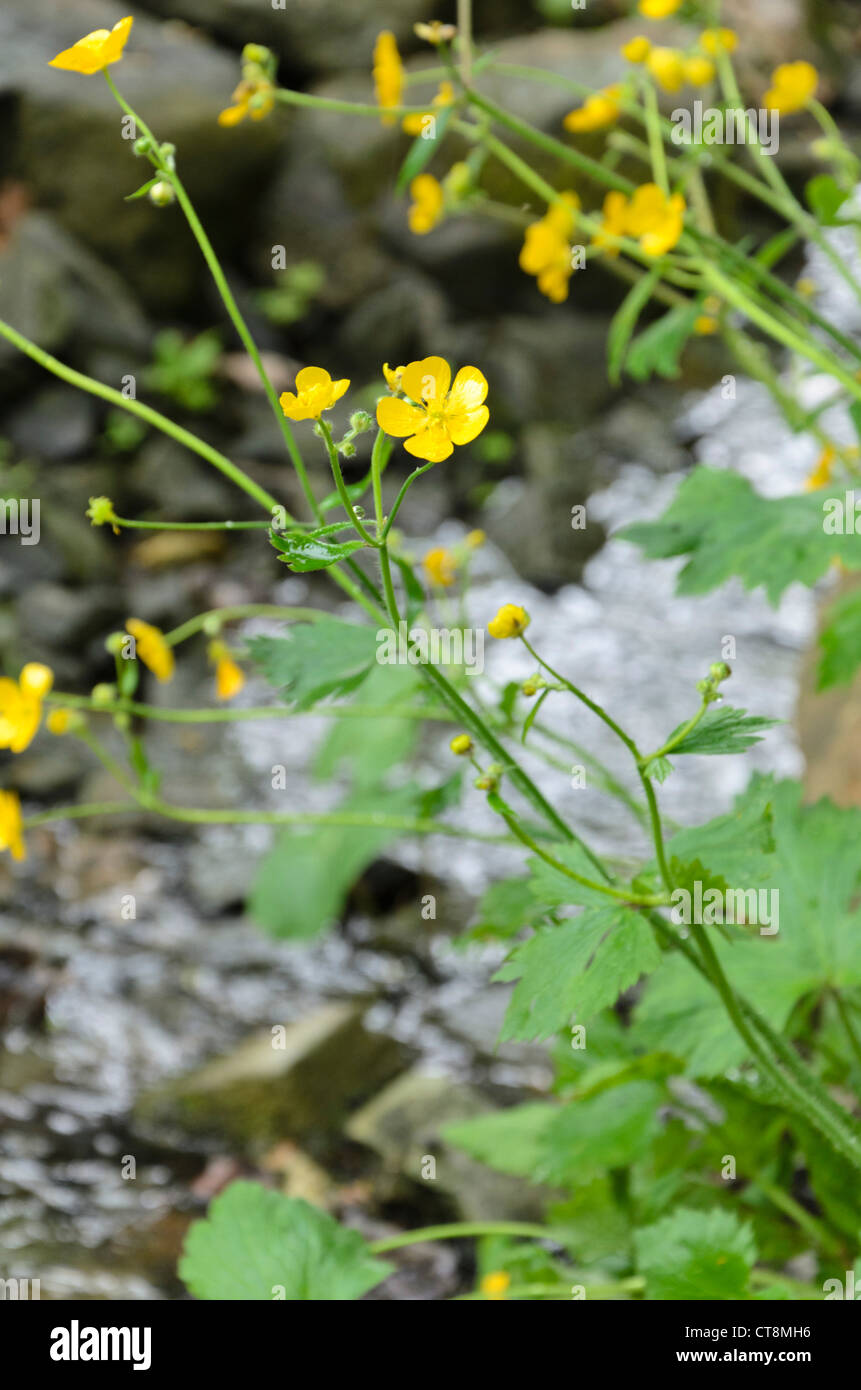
pixel 415 124
pixel 699 71
pixel 254 99
pixel 93 52
pixel 316 392
pixel 636 50
pixel 229 678
pixel 440 567
pixel 546 251
pixel 806 287
pixel 11 836
pixel 821 474
pixel 495 1285
pixel 613 225
pixel 510 621
pixel 475 539
pixel 792 86
pixel 21 705
pixel 461 744
pixel 599 110
pixel 58 721
pixel 667 66
pixel 428 205
pixel 440 413
pixel 659 9
pixel 393 376
pixel 707 322
pixel 388 74
pixel 435 31
pixel 655 220
pixel 151 647
pixel 715 41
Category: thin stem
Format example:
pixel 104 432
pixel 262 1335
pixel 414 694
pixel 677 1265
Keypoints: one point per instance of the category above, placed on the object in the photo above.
pixel 677 737
pixel 215 715
pixel 326 434
pixel 190 525
pixel 656 143
pixel 90 808
pixel 457 1230
pixel 464 40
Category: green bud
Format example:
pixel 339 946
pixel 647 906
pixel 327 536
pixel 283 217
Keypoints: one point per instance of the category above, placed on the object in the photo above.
pixel 122 721
pixel 162 194
pixel 346 449
pixel 115 643
pixel 212 625
pixel 256 53
pixel 103 694
pixel 360 421
pixel 142 145
pixel 719 671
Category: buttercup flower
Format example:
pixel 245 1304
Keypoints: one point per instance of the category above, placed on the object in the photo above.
pixel 655 220
pixel 393 376
pixel 598 111
pixel 495 1285
pixel 415 124
pixel 659 9
pixel 21 705
pixel 229 678
pixel 58 721
pixel 11 832
pixel 715 41
pixel 440 413
pixel 636 50
pixel 510 621
pixel 388 74
pixel 461 744
pixel 699 71
pixel 435 31
pixel 792 86
pixel 93 52
pixel 440 567
pixel 667 66
pixel 151 647
pixel 254 99
pixel 546 251
pixel 613 225
pixel 821 474
pixel 428 205
pixel 315 392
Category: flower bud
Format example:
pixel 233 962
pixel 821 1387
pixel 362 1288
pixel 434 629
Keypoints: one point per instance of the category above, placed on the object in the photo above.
pixel 104 694
pixel 115 643
pixel 719 671
pixel 461 745
pixel 161 194
pixel 360 421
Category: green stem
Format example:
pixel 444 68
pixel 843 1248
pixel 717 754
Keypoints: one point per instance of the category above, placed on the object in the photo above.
pixel 335 462
pixel 90 808
pixel 190 525
pixel 457 1230
pixel 656 142
pixel 854 1041
pixel 164 715
pixel 677 738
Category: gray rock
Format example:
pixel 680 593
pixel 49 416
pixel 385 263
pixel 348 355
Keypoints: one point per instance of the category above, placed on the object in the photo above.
pixel 277 1086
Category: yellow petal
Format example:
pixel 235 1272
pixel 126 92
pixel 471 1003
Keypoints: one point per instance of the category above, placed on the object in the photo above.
pixel 469 389
pixel 36 679
pixel 463 428
pixel 431 444
pixel 427 380
pixel 309 377
pixel 232 115
pixel 399 418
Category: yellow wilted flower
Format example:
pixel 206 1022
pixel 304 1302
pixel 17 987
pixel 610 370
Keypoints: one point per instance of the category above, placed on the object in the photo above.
pixel 614 223
pixel 393 376
pixel 654 219
pixel 792 86
pixel 315 392
pixel 659 9
pixel 546 250
pixel 21 705
pixel 636 50
pixel 707 322
pixel 461 744
pixel 495 1285
pixel 440 566
pixel 600 110
pixel 254 99
pixel 715 41
pixel 667 66
pixel 699 71
pixel 435 32
pixel 11 830
pixel 93 52
pixel 229 677
pixel 440 413
pixel 151 647
pixel 415 124
pixel 388 74
pixel 428 205
pixel 821 474
pixel 510 621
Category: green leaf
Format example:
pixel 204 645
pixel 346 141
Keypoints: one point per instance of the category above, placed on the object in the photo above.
pixel 303 551
pixel 555 889
pixel 412 588
pixel 840 641
pixel 355 492
pixel 825 197
pixel 723 730
pixel 659 347
pixel 696 1255
pixel 303 882
pixel 142 191
pixel 625 321
pixel 508 1140
pixel 327 657
pixel 576 968
pixel 505 908
pixel 738 845
pixel 367 748
pixel 725 528
pixel 658 768
pixel 605 1131
pixel 533 714
pixel 258 1245
pixel 422 149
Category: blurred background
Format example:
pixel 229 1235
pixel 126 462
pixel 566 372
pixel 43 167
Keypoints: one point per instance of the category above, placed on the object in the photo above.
pixel 107 1020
